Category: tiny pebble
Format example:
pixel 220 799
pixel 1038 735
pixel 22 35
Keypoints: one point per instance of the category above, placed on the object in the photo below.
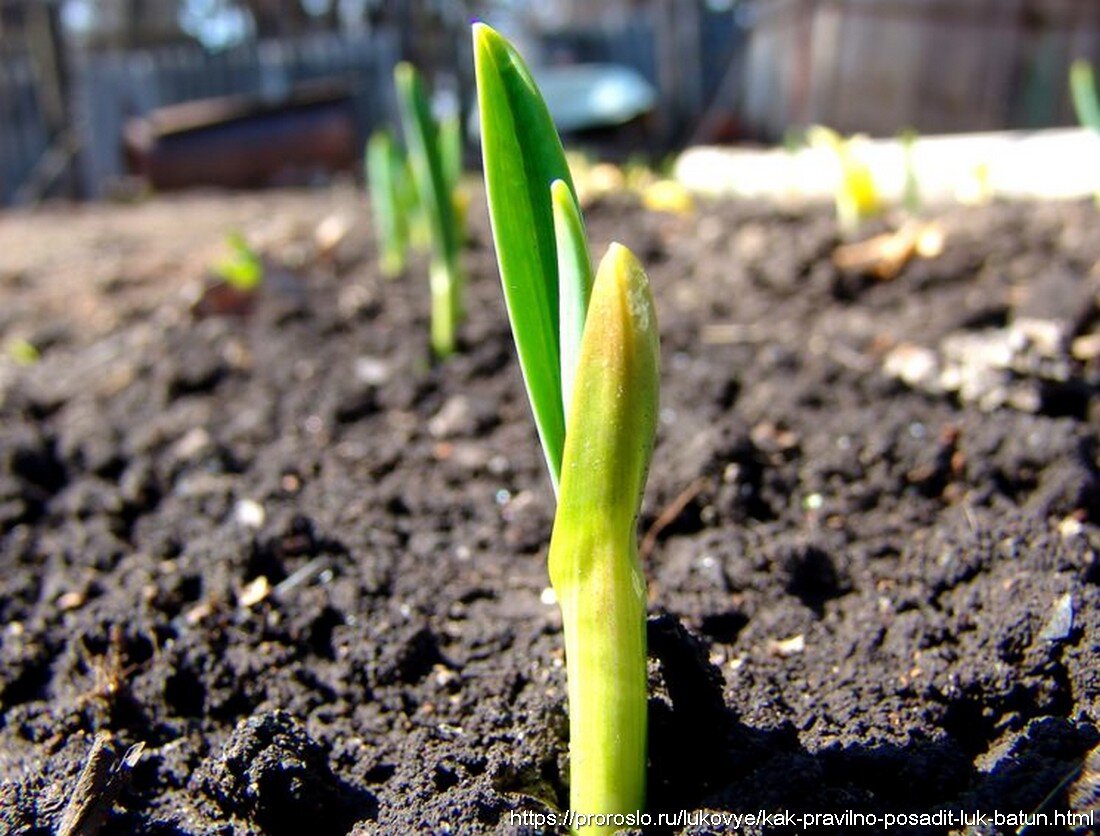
pixel 372 370
pixel 1071 527
pixel 198 612
pixel 789 646
pixel 71 601
pixel 1059 623
pixel 254 592
pixel 249 513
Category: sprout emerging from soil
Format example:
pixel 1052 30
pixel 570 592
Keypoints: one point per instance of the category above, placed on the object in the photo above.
pixel 1082 85
pixel 436 197
pixel 589 353
pixel 243 269
pixel 856 197
pixel 386 175
pixel 911 195
pixel 22 351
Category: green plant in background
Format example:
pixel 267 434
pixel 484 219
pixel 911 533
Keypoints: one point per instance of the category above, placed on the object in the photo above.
pixel 589 354
pixel 450 149
pixel 450 146
pixel 911 194
pixel 242 269
pixel 22 351
pixel 437 203
pixel 857 197
pixel 386 169
pixel 1082 85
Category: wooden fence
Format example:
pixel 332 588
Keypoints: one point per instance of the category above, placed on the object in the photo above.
pixel 23 133
pixel 938 66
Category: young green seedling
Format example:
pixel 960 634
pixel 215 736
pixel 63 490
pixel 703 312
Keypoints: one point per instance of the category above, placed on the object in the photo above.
pixel 437 203
pixel 242 269
pixel 589 355
pixel 911 194
pixel 450 147
pixel 22 351
pixel 385 171
pixel 594 566
pixel 857 197
pixel 1082 84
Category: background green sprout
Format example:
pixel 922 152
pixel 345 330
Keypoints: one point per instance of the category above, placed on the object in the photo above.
pixel 1086 102
pixel 911 193
pixel 243 269
pixel 588 350
pixel 433 175
pixel 22 351
pixel 386 173
pixel 857 197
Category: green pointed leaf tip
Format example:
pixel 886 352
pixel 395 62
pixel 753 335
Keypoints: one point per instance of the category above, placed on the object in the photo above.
pixel 522 156
pixel 574 283
pixel 613 417
pixel 593 558
pixel 242 269
pixel 425 158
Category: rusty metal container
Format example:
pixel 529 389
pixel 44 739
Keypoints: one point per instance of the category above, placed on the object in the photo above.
pixel 245 142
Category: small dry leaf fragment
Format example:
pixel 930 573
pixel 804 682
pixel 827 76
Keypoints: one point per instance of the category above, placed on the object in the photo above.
pixel 884 256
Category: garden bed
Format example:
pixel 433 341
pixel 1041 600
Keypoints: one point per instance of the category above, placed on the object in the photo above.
pixel 306 568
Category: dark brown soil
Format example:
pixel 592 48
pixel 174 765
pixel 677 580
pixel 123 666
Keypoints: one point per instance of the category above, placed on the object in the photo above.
pixel 305 567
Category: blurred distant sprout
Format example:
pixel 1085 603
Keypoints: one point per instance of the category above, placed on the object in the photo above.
pixel 911 195
pixel 1082 84
pixel 22 351
pixel 856 195
pixel 450 149
pixel 435 171
pixel 242 269
pixel 386 175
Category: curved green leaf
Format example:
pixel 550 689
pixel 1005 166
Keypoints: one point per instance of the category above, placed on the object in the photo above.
pixel 523 156
pixel 574 283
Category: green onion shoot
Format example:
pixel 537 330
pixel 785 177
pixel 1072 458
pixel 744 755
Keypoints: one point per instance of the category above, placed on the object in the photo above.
pixel 589 355
pixel 437 203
